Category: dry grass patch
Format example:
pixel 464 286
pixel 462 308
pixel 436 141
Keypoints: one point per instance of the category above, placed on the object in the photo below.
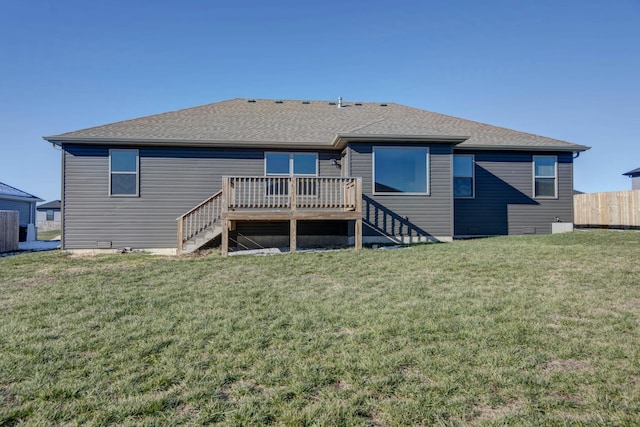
pixel 488 414
pixel 567 365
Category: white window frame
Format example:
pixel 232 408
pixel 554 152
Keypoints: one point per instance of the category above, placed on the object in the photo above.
pixel 111 173
pixel 291 154
pixel 555 177
pixel 401 193
pixel 473 176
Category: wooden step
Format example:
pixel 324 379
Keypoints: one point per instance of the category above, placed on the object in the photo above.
pixel 200 240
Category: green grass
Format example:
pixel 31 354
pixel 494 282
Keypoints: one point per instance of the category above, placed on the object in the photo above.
pixel 536 330
pixel 48 234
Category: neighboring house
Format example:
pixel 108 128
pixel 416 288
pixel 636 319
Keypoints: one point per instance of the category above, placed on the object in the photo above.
pixel 48 216
pixel 12 199
pixel 635 178
pixel 309 172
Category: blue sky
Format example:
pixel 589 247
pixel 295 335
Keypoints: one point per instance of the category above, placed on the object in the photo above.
pixel 567 69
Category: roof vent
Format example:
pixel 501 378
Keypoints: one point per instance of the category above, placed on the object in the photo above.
pixel 358 104
pixel 278 102
pixel 306 102
pixel 339 102
pixel 251 100
pixel 332 103
pixel 383 105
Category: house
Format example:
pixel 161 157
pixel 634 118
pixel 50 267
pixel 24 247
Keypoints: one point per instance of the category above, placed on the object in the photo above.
pixel 635 178
pixel 48 216
pixel 12 199
pixel 271 172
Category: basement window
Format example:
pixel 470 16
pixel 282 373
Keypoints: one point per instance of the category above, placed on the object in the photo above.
pixel 124 173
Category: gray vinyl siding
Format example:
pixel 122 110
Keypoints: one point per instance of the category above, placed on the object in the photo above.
pixel 26 211
pixel 504 202
pixel 172 181
pixel 406 215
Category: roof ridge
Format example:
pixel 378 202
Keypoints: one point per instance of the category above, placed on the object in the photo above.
pixel 357 128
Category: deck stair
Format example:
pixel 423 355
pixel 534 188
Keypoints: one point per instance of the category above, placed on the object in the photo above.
pixel 200 225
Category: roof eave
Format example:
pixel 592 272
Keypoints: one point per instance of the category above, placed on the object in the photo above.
pixel 488 147
pixel 33 199
pixel 339 142
pixel 187 143
pixel 344 138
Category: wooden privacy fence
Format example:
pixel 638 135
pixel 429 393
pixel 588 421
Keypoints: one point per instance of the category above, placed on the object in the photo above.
pixel 616 209
pixel 9 231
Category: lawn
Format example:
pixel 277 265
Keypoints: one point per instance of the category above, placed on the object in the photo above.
pixel 530 330
pixel 48 234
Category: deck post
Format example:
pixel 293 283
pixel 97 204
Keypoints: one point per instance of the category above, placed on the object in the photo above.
pixel 293 193
pixel 224 251
pixel 180 234
pixel 225 193
pixel 358 227
pixel 358 236
pixel 293 225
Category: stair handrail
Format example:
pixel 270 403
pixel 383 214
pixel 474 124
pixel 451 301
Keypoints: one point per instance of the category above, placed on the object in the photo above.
pixel 202 224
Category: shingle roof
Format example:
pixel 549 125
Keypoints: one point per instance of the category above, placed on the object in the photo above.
pixel 634 172
pixel 305 123
pixel 55 204
pixel 9 191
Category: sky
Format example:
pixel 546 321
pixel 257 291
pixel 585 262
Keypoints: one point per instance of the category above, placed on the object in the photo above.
pixel 565 69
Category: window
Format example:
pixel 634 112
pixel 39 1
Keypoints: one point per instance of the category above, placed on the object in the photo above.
pixel 400 170
pixel 545 180
pixel 49 214
pixel 124 173
pixel 303 164
pixel 290 164
pixel 463 174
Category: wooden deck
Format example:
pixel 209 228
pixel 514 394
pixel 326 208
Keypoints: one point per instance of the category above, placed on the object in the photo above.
pixel 268 198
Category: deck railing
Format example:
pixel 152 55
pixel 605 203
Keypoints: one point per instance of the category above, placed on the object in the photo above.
pixel 199 219
pixel 303 196
pixel 273 192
